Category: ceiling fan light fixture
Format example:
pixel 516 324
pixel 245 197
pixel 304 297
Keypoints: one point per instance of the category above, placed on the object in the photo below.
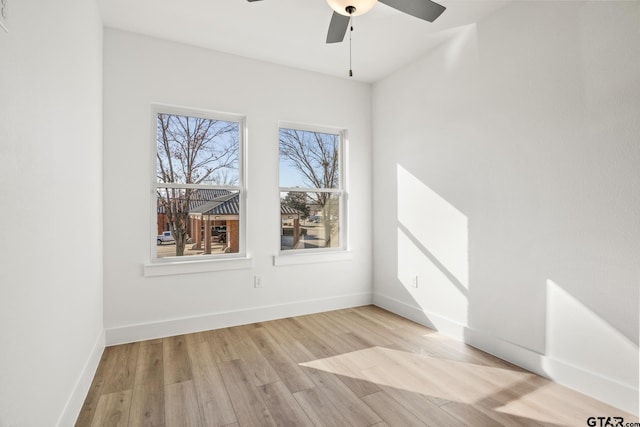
pixel 361 6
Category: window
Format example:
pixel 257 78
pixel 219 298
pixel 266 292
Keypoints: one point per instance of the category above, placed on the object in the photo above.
pixel 312 191
pixel 199 193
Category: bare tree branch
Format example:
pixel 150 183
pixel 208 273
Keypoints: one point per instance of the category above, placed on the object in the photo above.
pixel 191 150
pixel 315 156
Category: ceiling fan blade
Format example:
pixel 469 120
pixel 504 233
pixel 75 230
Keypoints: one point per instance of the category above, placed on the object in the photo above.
pixel 252 0
pixel 337 28
pixel 423 9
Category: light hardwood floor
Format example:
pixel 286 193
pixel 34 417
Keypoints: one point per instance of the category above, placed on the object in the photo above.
pixel 361 367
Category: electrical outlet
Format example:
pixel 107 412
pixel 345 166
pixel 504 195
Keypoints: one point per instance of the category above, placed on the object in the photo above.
pixel 4 13
pixel 414 281
pixel 257 281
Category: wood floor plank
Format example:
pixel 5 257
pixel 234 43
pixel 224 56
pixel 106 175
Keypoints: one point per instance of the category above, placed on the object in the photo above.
pixel 319 408
pixel 379 317
pixel 328 369
pixel 177 366
pixel 244 348
pixel 292 346
pixel 515 392
pixel 312 323
pixel 295 331
pixel 510 420
pixel 242 335
pixel 291 327
pixel 222 343
pixel 213 399
pixel 551 403
pixel 470 416
pixel 423 408
pixel 262 371
pixel 147 403
pixel 95 390
pixel 147 406
pixel 359 386
pixel 346 401
pixel 150 369
pixel 292 333
pixel 348 367
pixel 121 374
pixel 392 337
pixel 298 353
pixel 283 406
pixel 429 376
pixel 319 346
pixel 391 411
pixel 301 354
pixel 288 370
pixel 249 407
pixel 358 326
pixel 348 342
pixel 330 320
pixel 113 410
pixel 399 323
pixel 324 343
pixel 181 405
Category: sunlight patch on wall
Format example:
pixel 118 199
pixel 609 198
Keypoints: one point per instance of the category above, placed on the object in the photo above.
pixel 579 337
pixel 433 260
pixel 435 224
pixel 435 291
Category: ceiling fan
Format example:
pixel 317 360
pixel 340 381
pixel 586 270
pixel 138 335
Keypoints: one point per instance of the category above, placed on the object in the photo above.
pixel 345 9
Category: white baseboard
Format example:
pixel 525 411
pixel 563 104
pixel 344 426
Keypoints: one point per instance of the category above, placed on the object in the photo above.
pixel 610 391
pixel 83 383
pixel 166 328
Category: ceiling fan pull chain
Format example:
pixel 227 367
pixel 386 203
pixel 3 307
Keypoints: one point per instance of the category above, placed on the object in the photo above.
pixel 350 31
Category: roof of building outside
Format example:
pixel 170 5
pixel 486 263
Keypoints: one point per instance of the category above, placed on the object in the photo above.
pixel 199 197
pixel 287 210
pixel 224 205
pixel 221 202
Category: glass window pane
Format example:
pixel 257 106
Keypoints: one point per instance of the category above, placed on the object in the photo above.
pixel 195 222
pixel 195 150
pixel 309 220
pixel 309 159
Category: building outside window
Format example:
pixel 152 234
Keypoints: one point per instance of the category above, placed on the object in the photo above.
pixel 198 183
pixel 312 189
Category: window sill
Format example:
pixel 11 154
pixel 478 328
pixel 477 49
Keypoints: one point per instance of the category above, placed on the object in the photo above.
pixel 200 266
pixel 298 258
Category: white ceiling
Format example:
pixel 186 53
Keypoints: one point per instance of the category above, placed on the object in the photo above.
pixel 293 32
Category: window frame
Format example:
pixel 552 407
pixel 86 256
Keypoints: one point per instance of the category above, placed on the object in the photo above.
pixel 162 266
pixel 295 256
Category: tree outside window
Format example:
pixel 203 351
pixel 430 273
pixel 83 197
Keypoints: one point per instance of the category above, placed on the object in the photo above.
pixel 198 185
pixel 311 191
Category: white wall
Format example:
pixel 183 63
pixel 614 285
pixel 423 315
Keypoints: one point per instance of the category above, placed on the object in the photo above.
pixel 51 330
pixel 140 71
pixel 506 179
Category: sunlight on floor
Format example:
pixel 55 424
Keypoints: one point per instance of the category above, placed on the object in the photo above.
pixel 548 403
pixel 513 393
pixel 415 373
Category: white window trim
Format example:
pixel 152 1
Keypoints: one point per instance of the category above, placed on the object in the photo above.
pixel 190 264
pixel 312 257
pixel 342 253
pixel 197 266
